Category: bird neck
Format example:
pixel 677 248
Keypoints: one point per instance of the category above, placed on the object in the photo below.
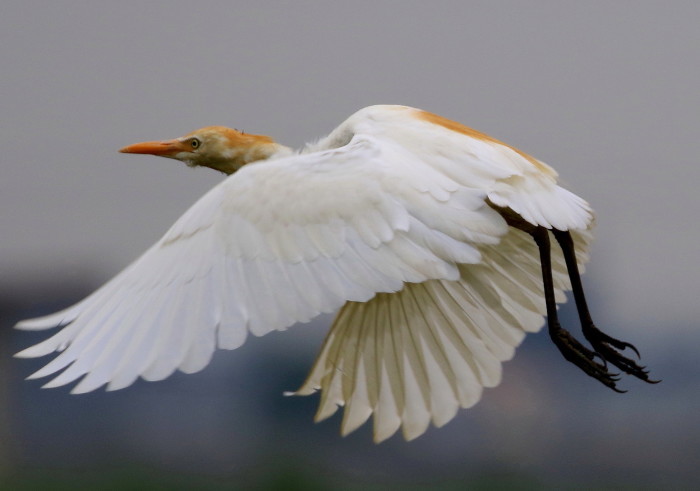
pixel 267 151
pixel 261 149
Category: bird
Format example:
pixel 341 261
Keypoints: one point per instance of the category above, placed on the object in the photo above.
pixel 431 241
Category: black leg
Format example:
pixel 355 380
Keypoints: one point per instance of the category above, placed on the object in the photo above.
pixel 572 350
pixel 604 345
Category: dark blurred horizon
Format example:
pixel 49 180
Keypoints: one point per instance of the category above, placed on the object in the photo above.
pixel 229 426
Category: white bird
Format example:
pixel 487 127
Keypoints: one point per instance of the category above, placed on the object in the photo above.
pixel 419 229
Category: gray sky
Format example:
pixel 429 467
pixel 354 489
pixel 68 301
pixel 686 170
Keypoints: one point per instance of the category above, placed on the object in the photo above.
pixel 608 93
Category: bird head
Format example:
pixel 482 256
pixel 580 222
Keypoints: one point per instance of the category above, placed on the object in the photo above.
pixel 217 147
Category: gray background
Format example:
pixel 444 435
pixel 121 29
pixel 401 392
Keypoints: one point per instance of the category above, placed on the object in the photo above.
pixel 606 92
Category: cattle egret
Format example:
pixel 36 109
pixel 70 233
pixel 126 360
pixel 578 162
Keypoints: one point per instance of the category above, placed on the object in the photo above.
pixel 419 230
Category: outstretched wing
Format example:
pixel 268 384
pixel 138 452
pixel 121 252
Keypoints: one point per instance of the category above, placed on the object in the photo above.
pixel 276 243
pixel 414 357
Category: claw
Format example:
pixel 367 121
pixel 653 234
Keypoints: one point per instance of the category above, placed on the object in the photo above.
pixel 608 347
pixel 601 358
pixel 584 358
pixel 622 345
pixel 633 348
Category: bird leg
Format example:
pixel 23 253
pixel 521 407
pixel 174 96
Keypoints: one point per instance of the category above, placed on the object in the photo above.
pixel 604 345
pixel 570 348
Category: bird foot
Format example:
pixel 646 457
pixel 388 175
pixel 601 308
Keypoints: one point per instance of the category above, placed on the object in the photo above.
pixel 583 358
pixel 609 349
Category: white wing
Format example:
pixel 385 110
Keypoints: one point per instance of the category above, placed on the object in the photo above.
pixel 414 357
pixel 389 217
pixel 277 243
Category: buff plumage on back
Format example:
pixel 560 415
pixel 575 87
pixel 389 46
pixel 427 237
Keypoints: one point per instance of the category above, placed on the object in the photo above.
pixel 389 219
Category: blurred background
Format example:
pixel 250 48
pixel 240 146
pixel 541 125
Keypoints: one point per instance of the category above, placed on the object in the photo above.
pixel 606 92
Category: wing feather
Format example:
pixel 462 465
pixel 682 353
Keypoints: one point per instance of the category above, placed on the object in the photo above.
pixel 333 226
pixel 436 343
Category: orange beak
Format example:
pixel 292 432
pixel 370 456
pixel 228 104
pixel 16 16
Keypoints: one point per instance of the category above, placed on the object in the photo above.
pixel 167 148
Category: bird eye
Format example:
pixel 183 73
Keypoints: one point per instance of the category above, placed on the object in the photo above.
pixel 195 143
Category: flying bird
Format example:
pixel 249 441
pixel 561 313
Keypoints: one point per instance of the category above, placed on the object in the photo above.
pixel 430 239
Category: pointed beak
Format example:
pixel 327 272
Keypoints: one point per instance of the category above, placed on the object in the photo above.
pixel 167 148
